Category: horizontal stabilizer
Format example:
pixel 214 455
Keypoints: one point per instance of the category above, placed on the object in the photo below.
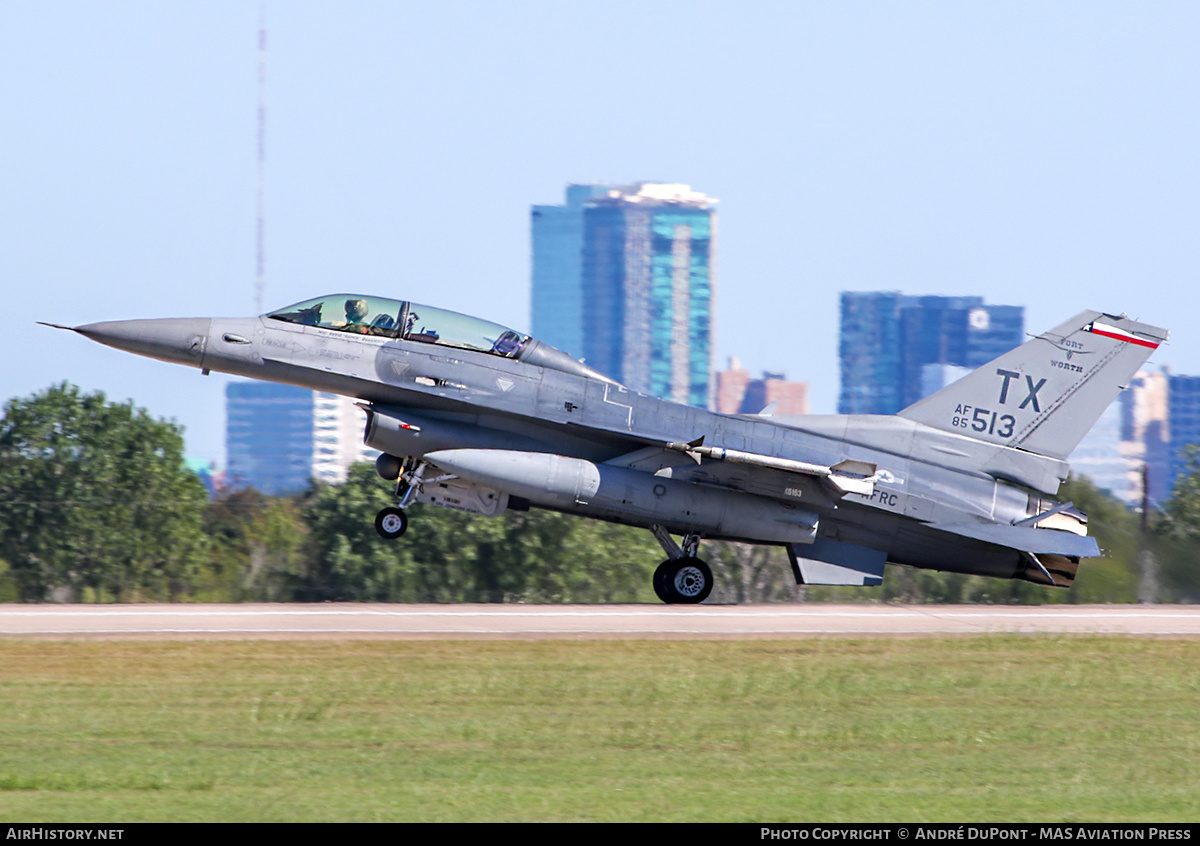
pixel 1025 538
pixel 830 562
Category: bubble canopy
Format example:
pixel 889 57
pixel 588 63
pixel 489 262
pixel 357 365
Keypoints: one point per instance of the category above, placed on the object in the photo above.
pixel 357 314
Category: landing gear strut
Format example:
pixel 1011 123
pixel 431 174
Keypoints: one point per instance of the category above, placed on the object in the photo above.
pixel 683 578
pixel 392 522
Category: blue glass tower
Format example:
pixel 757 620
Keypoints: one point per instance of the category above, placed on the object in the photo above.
pixel 870 352
pixel 643 291
pixel 557 238
pixel 887 339
pixel 279 437
pixel 1183 403
pixel 269 436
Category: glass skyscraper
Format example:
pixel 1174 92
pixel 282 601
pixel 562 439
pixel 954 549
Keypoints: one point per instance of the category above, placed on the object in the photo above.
pixel 887 339
pixel 1183 404
pixel 639 307
pixel 557 238
pixel 278 437
pixel 871 353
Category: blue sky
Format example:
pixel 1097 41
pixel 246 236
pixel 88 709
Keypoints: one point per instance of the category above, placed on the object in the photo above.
pixel 1040 154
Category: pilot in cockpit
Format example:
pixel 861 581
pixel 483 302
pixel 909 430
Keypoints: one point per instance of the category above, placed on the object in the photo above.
pixel 356 313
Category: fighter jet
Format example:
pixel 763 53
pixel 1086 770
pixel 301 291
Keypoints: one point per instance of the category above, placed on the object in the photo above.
pixel 478 417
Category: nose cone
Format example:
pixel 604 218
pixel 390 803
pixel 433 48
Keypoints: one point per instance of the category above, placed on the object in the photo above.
pixel 177 339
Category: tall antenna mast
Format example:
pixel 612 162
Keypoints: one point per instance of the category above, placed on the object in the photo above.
pixel 260 277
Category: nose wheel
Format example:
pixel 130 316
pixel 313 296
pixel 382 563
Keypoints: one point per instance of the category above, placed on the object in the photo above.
pixel 391 523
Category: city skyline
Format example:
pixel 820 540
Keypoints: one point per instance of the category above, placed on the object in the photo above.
pixel 888 339
pixel 1041 155
pixel 737 392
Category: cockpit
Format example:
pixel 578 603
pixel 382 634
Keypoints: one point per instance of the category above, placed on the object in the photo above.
pixel 405 321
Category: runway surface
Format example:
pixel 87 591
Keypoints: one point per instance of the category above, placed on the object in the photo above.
pixel 330 621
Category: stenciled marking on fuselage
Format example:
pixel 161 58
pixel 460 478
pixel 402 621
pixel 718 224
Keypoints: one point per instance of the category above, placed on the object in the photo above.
pixel 338 355
pixel 884 498
pixel 626 406
pixel 1030 397
pixel 1071 348
pixel 983 420
pixel 1064 365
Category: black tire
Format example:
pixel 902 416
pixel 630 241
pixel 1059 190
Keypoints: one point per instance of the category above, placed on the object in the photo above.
pixel 684 581
pixel 662 575
pixel 690 582
pixel 391 523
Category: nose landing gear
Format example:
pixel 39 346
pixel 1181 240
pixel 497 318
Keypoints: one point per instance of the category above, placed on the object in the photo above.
pixel 392 522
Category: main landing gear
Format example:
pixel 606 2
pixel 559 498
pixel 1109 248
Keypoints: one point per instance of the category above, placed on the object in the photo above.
pixel 392 522
pixel 683 579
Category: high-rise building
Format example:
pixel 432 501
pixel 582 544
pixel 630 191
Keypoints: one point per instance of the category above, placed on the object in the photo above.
pixel 934 377
pixel 278 437
pixel 737 393
pixel 777 391
pixel 961 331
pixel 644 290
pixel 1145 436
pixel 731 385
pixel 557 238
pixel 870 352
pixel 1183 403
pixel 887 339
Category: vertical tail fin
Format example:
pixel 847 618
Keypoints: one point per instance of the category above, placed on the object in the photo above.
pixel 1045 395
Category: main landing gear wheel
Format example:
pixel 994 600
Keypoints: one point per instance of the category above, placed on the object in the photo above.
pixel 661 576
pixel 391 523
pixel 683 581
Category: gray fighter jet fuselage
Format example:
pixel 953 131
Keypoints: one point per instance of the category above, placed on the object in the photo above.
pixel 472 415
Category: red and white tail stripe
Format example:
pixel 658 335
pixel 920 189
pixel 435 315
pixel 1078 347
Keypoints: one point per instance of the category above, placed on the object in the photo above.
pixel 1120 335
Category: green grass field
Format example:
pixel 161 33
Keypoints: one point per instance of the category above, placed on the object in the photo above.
pixel 989 728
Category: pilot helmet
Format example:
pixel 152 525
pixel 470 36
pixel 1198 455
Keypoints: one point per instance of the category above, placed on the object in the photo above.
pixel 356 309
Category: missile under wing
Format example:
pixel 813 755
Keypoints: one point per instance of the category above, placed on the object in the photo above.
pixel 472 415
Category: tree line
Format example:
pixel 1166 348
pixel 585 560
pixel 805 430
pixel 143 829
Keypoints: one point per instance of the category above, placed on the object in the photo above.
pixel 96 505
